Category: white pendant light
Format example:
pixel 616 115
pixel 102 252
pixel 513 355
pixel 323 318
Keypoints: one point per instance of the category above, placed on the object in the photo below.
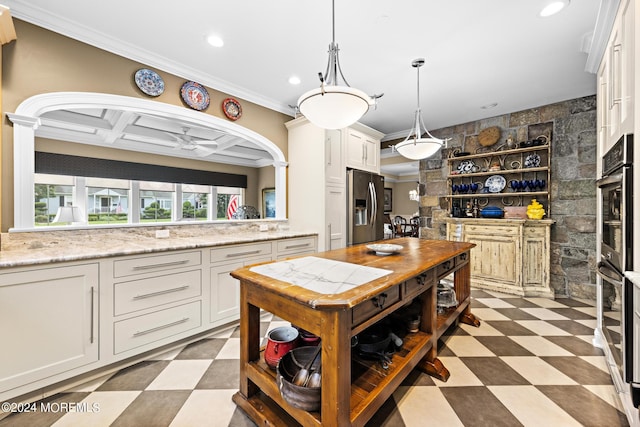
pixel 334 106
pixel 415 146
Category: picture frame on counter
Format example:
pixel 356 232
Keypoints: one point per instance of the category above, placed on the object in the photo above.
pixel 388 200
pixel 268 203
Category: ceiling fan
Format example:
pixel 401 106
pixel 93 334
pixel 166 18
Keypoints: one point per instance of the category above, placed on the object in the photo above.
pixel 186 142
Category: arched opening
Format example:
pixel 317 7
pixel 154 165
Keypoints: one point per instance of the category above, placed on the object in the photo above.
pixel 133 124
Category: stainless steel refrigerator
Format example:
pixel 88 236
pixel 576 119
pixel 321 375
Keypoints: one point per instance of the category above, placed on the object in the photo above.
pixel 365 213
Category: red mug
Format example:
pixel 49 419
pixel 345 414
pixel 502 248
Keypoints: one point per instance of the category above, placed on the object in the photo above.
pixel 279 342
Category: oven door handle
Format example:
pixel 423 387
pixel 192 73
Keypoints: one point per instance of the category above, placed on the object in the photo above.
pixel 608 180
pixel 614 276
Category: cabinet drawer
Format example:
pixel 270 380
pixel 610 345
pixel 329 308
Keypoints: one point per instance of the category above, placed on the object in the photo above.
pixel 493 230
pixel 535 232
pixel 228 253
pixel 296 245
pixel 142 330
pixel 375 305
pixel 445 267
pixel 462 259
pixel 150 264
pixel 155 291
pixel 417 285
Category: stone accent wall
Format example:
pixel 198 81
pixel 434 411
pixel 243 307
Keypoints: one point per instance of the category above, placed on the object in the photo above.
pixel 573 189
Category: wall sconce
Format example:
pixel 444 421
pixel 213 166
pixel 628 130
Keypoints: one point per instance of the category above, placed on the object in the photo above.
pixel 70 214
pixel 413 195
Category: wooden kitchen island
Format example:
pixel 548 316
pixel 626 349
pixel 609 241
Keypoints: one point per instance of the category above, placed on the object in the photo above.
pixel 352 389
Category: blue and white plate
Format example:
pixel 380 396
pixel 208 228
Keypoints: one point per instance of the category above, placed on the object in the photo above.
pixel 149 82
pixel 195 95
pixel 532 161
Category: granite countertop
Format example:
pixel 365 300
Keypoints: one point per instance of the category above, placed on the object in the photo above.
pixel 28 248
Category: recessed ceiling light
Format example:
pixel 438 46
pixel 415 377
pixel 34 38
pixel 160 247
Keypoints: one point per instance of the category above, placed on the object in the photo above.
pixel 215 41
pixel 553 8
pixel 489 106
pixel 294 80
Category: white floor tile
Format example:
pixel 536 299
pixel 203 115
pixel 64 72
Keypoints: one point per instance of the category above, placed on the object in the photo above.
pixel 599 362
pixel 495 302
pixel 607 393
pixel 501 294
pixel 464 346
pixel 591 311
pixel 168 355
pixel 541 327
pixel 537 371
pixel 540 346
pixel 531 407
pixel 488 314
pixel 544 314
pixel 230 349
pixel 223 333
pixel 589 323
pixel 180 375
pixel 484 330
pixel 206 408
pixel 92 385
pixel 546 302
pixel 461 375
pixel 105 407
pixel 277 324
pixel 419 404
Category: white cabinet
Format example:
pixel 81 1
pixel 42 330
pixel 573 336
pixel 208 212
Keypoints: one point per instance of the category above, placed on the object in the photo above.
pixel 616 79
pixel 318 162
pixel 224 289
pixel 49 319
pixel 62 321
pixel 154 300
pixel 363 149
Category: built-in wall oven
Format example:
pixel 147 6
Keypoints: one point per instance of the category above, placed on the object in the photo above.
pixel 616 257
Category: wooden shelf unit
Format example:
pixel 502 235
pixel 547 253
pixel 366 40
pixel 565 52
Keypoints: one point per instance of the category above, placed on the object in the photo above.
pixel 512 163
pixel 351 396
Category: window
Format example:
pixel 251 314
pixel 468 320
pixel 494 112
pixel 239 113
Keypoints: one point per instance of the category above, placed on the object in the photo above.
pixel 110 201
pixel 50 193
pixel 195 202
pixel 107 201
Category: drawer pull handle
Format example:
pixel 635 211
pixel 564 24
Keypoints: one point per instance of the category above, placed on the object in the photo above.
pixel 166 291
pixel 447 265
pixel 302 245
pixel 463 256
pixel 162 264
pixel 257 251
pixel 92 308
pixel 158 328
pixel 422 279
pixel 379 301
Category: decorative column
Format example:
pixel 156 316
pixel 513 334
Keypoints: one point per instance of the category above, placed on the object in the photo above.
pixel 281 189
pixel 24 128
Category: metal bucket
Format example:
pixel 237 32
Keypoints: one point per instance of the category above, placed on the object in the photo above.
pixel 306 398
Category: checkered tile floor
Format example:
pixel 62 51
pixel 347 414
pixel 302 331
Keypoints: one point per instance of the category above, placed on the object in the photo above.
pixel 531 363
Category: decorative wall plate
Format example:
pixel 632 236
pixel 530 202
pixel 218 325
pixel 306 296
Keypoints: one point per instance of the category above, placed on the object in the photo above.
pixel 532 161
pixel 149 82
pixel 195 95
pixel 232 109
pixel 495 183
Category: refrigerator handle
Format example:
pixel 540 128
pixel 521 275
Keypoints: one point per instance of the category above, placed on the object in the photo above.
pixel 374 203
